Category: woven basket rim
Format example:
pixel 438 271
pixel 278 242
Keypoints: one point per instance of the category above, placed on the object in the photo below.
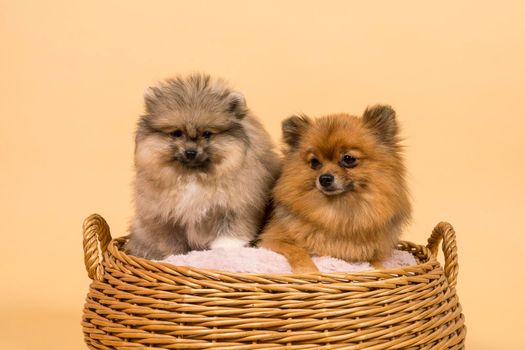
pixel 424 258
pixel 101 250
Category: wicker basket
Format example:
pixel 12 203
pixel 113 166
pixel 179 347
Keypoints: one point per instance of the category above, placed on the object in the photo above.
pixel 135 303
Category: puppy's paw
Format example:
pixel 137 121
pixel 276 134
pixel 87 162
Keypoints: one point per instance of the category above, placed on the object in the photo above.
pixel 304 267
pixel 228 243
pixel 377 265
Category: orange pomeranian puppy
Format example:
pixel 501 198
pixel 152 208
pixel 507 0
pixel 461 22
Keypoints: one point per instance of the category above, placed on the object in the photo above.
pixel 342 191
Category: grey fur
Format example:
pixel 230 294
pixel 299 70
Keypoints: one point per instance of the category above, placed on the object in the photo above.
pixel 182 204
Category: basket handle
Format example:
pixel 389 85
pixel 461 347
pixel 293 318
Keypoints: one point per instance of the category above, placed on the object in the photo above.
pixel 445 231
pixel 96 239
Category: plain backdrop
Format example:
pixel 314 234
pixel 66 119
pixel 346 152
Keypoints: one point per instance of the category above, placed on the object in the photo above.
pixel 72 75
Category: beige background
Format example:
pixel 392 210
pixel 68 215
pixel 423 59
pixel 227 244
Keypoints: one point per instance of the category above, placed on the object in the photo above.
pixel 71 81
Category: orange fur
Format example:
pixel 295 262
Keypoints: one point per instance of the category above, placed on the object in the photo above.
pixel 363 218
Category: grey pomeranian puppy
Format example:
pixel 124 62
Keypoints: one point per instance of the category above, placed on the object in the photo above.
pixel 205 167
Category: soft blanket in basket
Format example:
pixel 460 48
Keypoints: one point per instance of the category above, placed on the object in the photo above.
pixel 259 260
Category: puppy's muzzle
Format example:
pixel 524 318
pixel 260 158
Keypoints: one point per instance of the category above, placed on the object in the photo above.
pixel 329 184
pixel 193 158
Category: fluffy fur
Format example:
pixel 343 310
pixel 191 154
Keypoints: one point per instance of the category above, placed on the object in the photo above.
pixel 204 169
pixel 358 213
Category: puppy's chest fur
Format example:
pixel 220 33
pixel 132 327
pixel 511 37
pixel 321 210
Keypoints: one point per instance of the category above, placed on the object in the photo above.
pixel 201 209
pixel 335 235
pixel 192 201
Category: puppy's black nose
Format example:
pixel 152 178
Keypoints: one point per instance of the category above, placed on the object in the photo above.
pixel 326 180
pixel 190 154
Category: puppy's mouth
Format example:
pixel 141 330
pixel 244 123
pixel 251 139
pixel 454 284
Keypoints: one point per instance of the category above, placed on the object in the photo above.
pixel 199 163
pixel 334 189
pixel 331 191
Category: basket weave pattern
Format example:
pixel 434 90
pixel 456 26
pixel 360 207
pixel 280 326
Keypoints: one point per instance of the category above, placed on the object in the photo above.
pixel 134 303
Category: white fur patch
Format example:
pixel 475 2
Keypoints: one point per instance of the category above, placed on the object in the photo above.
pixel 228 243
pixel 193 202
pixel 191 190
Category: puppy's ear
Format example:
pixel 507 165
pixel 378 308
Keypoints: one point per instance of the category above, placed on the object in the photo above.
pixel 293 128
pixel 236 105
pixel 151 96
pixel 381 119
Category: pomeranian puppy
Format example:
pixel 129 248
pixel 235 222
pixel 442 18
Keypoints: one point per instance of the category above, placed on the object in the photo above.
pixel 204 169
pixel 342 191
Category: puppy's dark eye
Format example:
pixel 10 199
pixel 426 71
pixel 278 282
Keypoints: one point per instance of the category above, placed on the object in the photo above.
pixel 207 134
pixel 349 161
pixel 176 133
pixel 315 163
